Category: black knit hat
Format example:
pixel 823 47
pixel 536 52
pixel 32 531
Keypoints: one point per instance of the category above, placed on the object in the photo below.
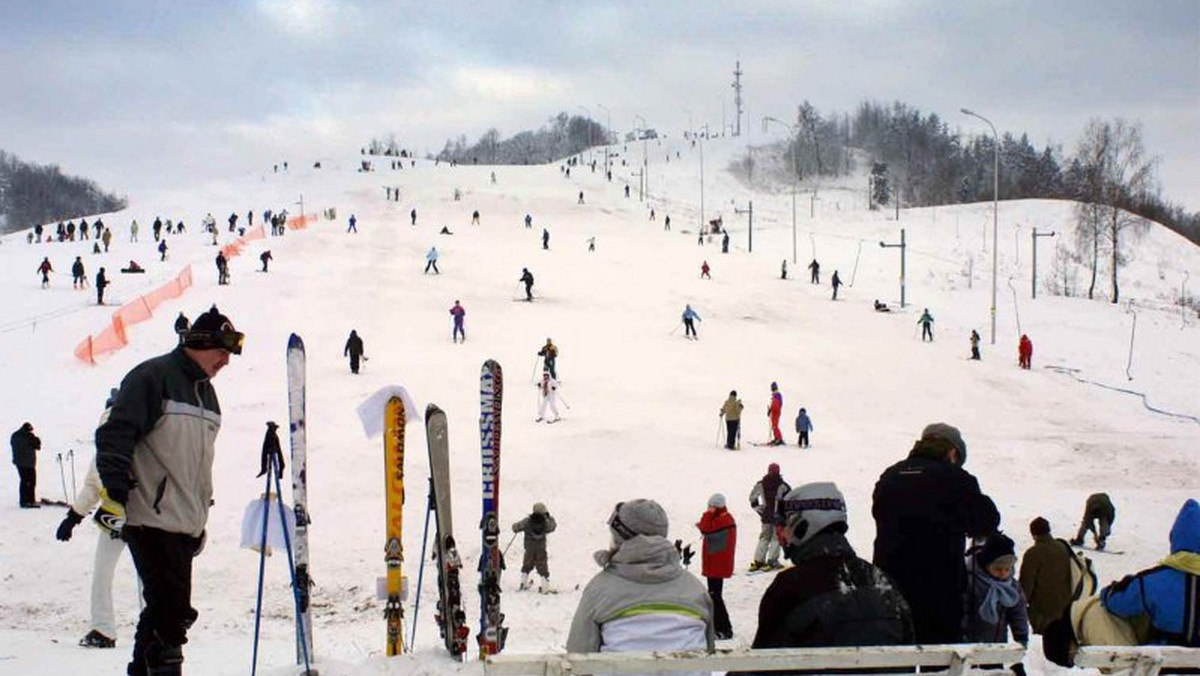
pixel 997 547
pixel 1039 526
pixel 213 331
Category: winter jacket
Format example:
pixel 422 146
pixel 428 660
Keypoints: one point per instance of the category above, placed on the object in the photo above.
pixel 535 527
pixel 1168 594
pixel 643 599
pixel 158 444
pixel 977 628
pixel 1046 580
pixel 924 508
pixel 803 423
pixel 776 408
pixel 831 598
pixel 1100 506
pixel 732 409
pixel 354 346
pixel 770 490
pixel 689 313
pixel 458 313
pixel 25 446
pixel 717 553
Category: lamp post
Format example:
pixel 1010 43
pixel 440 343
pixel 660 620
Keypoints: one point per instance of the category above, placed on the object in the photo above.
pixel 903 246
pixel 749 211
pixel 645 164
pixel 607 131
pixel 1037 234
pixel 795 179
pixel 995 209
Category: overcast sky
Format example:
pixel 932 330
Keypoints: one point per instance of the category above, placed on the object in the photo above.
pixel 141 94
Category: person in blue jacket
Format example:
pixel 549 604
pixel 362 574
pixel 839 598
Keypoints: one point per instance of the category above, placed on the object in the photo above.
pixel 1168 594
pixel 803 427
pixel 689 319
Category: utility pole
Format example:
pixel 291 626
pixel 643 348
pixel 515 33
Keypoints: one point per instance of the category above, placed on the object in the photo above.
pixel 903 247
pixel 749 212
pixel 1037 234
pixel 737 96
pixel 641 190
pixel 301 203
pixel 702 184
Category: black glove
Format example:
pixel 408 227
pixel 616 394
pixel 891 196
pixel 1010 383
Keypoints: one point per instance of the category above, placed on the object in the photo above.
pixel 688 554
pixel 68 524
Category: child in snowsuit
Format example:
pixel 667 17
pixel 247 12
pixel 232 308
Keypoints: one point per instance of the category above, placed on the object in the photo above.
pixel 536 526
pixel 926 322
pixel 548 390
pixel 719 531
pixel 803 427
pixel 458 312
pixel 1025 352
pixel 994 601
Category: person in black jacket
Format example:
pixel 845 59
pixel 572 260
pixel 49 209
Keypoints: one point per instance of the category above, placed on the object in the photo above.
pixel 101 285
pixel 25 446
pixel 830 597
pixel 354 350
pixel 154 455
pixel 181 326
pixel 924 508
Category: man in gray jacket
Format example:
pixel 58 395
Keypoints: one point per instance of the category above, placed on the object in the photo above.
pixel 154 455
pixel 642 599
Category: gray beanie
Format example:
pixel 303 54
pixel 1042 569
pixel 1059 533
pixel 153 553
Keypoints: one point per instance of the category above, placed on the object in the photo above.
pixel 948 433
pixel 638 517
pixel 716 500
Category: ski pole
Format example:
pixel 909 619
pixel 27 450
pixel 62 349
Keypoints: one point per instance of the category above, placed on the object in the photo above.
pixel 71 455
pixel 720 418
pixel 675 329
pixel 262 563
pixel 564 401
pixel 510 541
pixel 62 475
pixel 533 375
pixel 429 508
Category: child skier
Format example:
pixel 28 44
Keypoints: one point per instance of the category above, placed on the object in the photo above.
pixel 536 526
pixel 548 390
pixel 803 427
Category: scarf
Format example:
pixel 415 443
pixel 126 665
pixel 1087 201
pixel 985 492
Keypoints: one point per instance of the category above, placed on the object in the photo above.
pixel 999 594
pixel 1184 561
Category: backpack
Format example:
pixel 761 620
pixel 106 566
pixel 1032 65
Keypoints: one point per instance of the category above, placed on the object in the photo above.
pixel 1083 577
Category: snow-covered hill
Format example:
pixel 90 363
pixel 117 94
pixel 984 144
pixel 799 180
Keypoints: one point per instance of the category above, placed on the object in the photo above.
pixel 643 400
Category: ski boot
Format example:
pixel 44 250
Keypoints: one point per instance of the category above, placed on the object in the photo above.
pixel 525 583
pixel 756 566
pixel 95 639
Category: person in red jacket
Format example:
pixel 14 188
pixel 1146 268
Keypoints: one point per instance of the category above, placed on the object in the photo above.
pixel 716 558
pixel 1025 351
pixel 775 410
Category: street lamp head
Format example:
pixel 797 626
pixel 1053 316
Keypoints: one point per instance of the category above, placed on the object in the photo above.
pixel 965 111
pixel 882 245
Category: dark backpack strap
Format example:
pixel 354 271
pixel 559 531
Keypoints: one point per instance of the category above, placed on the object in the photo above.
pixel 1191 610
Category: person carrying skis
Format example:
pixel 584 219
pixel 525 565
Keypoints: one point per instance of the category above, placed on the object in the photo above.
pixel 1098 509
pixel 25 445
pixel 803 427
pixel 458 313
pixel 527 280
pixel 44 269
pixel 266 259
pixel 731 411
pixel 536 526
pixel 974 345
pixel 835 282
pixel 829 597
pixel 101 285
pixel 549 354
pixel 155 456
pixel 719 533
pixel 926 322
pixel 1025 352
pixel 816 271
pixel 689 319
pixel 774 411
pixel 431 261
pixel 764 500
pixel 181 326
pixel 354 350
pixel 643 598
pixel 548 393
pixel 704 270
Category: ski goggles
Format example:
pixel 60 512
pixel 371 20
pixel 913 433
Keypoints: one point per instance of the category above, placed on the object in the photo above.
pixel 618 526
pixel 225 339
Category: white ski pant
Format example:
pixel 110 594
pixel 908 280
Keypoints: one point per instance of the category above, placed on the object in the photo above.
pixel 108 551
pixel 548 401
pixel 767 550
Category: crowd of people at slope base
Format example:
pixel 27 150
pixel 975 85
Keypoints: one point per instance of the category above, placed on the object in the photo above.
pixel 920 587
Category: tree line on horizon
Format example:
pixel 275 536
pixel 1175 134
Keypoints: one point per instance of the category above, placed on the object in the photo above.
pixel 40 193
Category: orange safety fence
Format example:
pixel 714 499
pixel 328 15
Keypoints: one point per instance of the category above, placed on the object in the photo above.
pixel 235 248
pixel 114 337
pixel 300 222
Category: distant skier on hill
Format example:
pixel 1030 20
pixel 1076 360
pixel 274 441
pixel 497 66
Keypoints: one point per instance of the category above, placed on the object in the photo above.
pixel 974 344
pixel 704 271
pixel 731 411
pixel 816 271
pixel 458 313
pixel 836 283
pixel 101 285
pixel 527 280
pixel 354 350
pixel 431 259
pixel 78 276
pixel 803 427
pixel 549 355
pixel 353 224
pixel 266 259
pixel 1025 352
pixel 44 269
pixel 222 268
pixel 926 322
pixel 548 393
pixel 689 319
pixel 774 411
pixel 783 270
pixel 181 326
pixel 162 249
pixel 529 221
pixel 725 248
pixel 413 215
pixel 475 217
pixel 545 239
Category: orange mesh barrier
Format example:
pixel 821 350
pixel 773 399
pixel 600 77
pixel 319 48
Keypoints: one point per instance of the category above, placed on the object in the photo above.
pixel 114 337
pixel 300 222
pixel 255 233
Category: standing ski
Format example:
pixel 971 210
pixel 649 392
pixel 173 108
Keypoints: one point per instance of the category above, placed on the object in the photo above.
pixel 299 437
pixel 451 619
pixel 492 631
pixel 393 450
